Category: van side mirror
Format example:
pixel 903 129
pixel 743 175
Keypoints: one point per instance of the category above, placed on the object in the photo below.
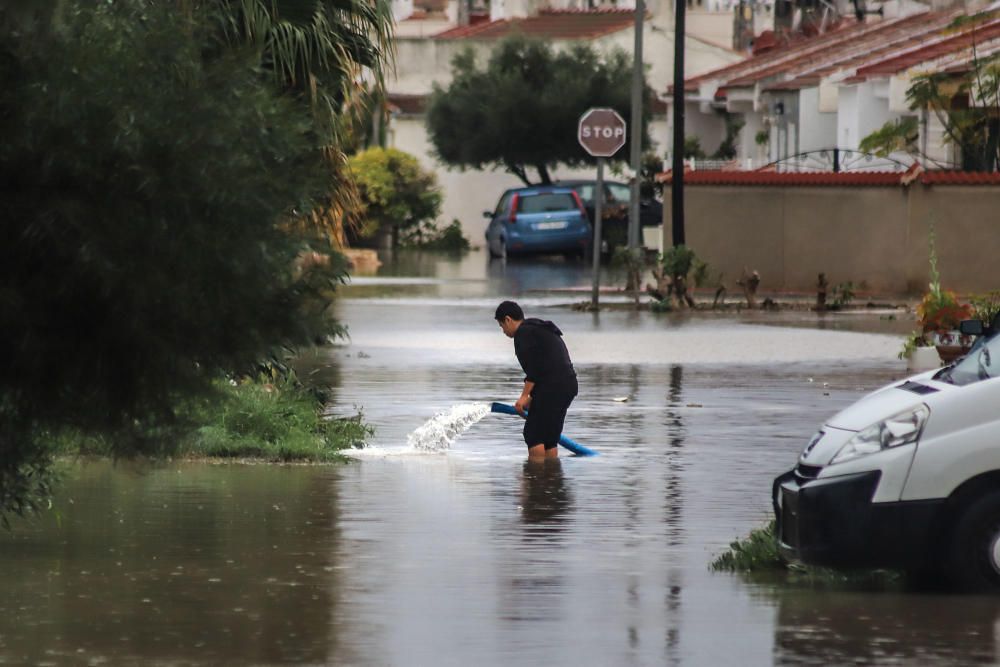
pixel 487 214
pixel 971 328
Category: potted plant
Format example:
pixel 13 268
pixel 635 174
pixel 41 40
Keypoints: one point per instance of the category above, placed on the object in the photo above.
pixel 940 312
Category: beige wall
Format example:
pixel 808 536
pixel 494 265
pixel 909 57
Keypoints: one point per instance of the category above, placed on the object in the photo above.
pixel 877 235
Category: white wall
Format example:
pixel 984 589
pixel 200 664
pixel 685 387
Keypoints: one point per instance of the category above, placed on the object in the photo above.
pixel 747 148
pixel 816 129
pixel 468 193
pixel 861 109
pixel 709 127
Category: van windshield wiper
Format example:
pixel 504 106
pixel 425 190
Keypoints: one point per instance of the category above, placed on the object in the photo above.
pixel 944 375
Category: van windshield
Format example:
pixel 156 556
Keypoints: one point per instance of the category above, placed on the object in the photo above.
pixel 543 203
pixel 981 363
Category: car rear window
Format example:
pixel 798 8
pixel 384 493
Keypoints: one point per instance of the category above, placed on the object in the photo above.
pixel 549 201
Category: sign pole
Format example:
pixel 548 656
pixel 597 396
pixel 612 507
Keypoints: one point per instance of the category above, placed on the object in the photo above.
pixel 601 132
pixel 598 218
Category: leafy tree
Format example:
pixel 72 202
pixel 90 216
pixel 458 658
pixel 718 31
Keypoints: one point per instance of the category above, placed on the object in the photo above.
pixel 522 110
pixel 967 105
pixel 148 174
pixel 397 194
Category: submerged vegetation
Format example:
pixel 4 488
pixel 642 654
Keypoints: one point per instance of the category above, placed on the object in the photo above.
pixel 261 420
pixel 758 553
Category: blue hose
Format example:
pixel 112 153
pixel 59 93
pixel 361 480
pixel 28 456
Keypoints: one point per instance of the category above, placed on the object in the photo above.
pixel 568 443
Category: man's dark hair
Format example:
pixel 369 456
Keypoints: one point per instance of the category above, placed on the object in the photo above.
pixel 509 308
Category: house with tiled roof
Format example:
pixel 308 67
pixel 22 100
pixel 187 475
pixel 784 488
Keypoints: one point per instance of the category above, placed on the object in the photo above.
pixel 834 89
pixel 429 36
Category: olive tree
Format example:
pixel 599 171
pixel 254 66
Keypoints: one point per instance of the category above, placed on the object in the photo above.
pixel 521 110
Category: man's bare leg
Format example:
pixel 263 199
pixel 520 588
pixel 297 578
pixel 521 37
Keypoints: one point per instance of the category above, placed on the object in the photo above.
pixel 538 452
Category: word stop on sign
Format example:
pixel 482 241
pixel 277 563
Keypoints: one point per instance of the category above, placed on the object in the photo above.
pixel 602 132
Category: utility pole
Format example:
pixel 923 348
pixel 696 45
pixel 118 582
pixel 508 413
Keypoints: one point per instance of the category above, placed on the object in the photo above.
pixel 677 182
pixel 636 147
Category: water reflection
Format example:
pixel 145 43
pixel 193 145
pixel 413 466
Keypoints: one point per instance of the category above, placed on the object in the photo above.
pixel 838 628
pixel 186 563
pixel 545 498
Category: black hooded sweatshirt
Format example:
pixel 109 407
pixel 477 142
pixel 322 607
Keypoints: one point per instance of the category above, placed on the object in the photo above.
pixel 544 358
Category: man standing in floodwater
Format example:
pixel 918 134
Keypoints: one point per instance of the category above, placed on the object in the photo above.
pixel 549 379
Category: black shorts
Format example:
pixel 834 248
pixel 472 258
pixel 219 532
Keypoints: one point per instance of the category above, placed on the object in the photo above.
pixel 545 419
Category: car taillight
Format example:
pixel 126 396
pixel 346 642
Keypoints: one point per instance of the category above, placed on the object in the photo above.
pixel 579 204
pixel 513 209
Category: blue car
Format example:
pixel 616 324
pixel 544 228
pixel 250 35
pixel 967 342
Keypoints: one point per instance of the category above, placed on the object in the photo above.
pixel 543 219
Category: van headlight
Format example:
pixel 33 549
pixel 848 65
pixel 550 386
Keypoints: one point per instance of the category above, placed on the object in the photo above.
pixel 897 430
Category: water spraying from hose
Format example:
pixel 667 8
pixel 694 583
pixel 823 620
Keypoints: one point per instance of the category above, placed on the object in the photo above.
pixel 443 429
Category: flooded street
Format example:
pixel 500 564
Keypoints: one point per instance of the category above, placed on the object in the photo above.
pixel 472 555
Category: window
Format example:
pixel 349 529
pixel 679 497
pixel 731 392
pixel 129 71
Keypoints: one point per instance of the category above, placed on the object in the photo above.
pixel 552 201
pixel 504 203
pixel 619 193
pixel 586 193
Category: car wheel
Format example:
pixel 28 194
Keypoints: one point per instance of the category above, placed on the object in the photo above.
pixel 503 250
pixel 974 558
pixel 493 254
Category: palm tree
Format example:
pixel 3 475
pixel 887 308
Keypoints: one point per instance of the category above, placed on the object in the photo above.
pixel 328 52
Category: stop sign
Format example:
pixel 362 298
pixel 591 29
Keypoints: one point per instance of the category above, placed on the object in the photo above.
pixel 601 132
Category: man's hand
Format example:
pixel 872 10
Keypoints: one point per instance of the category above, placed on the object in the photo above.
pixel 523 403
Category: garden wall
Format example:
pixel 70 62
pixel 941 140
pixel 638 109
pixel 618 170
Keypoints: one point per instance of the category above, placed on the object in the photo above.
pixel 853 227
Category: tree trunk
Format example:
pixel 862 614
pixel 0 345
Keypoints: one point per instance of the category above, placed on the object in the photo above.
pixel 661 291
pixel 543 173
pixel 519 171
pixel 749 282
pixel 821 285
pixel 681 292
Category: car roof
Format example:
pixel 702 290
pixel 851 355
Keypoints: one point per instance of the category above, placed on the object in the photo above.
pixel 582 181
pixel 541 189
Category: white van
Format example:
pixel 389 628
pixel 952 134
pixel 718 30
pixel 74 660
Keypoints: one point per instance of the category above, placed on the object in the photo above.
pixel 908 477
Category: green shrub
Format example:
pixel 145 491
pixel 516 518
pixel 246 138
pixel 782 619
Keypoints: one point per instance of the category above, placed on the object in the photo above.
pixel 396 192
pixel 449 239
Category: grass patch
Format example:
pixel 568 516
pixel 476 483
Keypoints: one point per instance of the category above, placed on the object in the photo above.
pixel 273 422
pixel 758 554
pixel 758 551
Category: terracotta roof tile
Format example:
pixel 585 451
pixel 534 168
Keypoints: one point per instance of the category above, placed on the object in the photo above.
pixel 862 50
pixel 924 53
pixel 758 178
pixel 409 105
pixel 554 24
pixel 960 178
pixel 831 179
pixel 846 44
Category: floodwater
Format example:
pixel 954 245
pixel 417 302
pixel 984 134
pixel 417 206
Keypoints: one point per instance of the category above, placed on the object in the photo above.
pixel 470 555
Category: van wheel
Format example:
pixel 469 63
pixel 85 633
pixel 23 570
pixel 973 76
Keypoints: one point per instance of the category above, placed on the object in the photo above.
pixel 974 558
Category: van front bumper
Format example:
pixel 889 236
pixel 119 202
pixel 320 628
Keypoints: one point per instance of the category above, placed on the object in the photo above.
pixel 833 522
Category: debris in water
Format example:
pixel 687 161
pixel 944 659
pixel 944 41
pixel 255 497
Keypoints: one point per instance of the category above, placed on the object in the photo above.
pixel 443 428
pixel 620 399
